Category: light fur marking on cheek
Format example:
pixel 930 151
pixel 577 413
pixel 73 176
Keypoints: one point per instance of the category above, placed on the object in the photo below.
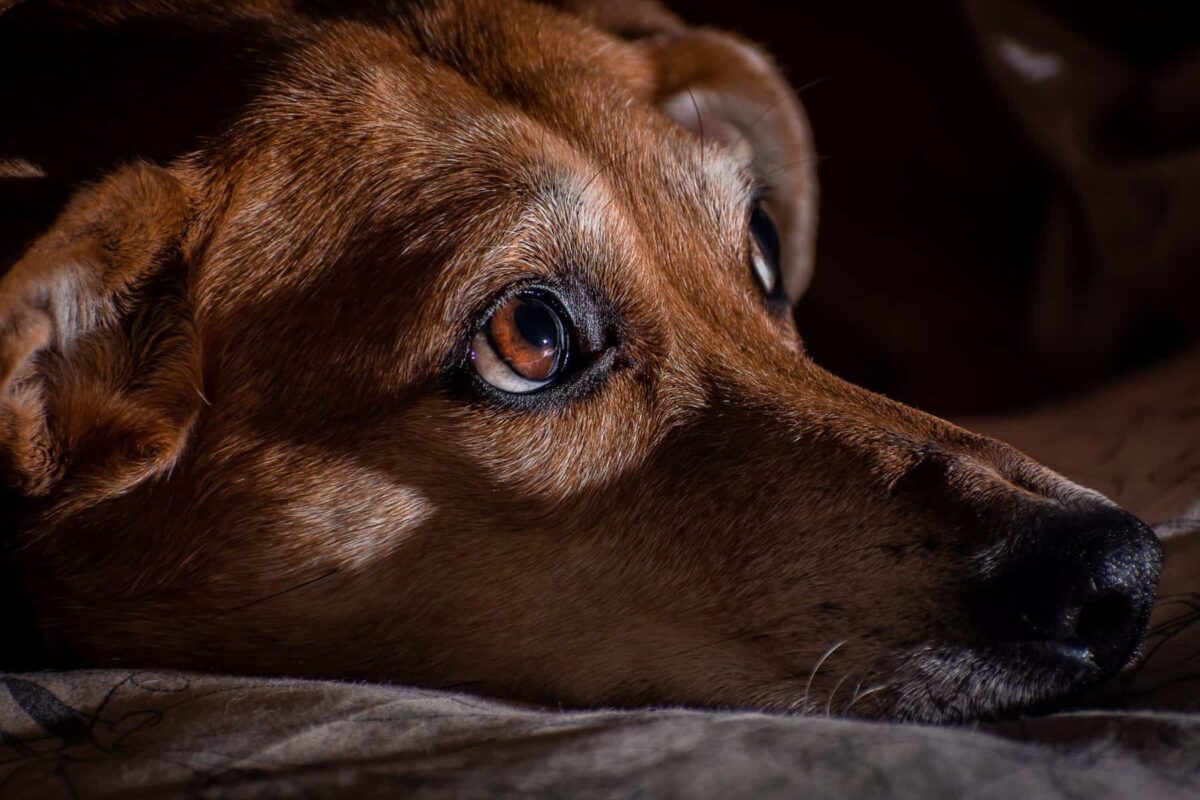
pixel 380 531
pixel 341 512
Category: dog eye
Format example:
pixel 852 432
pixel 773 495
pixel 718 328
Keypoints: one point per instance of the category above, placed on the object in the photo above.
pixel 764 251
pixel 523 346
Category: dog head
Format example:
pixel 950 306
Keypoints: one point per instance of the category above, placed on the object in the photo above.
pixel 462 355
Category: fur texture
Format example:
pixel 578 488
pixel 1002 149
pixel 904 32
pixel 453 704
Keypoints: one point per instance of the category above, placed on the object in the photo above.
pixel 236 401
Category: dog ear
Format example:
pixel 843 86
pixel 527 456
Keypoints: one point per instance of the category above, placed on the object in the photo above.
pixel 99 377
pixel 727 91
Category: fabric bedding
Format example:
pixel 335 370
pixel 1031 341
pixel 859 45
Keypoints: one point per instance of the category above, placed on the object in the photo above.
pixel 147 734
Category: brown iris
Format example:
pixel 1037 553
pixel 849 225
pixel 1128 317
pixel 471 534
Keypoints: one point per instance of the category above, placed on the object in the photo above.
pixel 527 334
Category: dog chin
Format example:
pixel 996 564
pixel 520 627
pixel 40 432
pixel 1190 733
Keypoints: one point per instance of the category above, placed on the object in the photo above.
pixel 955 684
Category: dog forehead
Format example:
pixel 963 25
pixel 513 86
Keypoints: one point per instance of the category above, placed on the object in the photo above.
pixel 444 136
pixel 505 90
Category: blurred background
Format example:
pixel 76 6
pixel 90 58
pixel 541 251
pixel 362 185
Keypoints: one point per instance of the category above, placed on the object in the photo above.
pixel 1010 189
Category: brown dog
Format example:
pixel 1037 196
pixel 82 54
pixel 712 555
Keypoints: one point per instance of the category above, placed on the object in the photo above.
pixel 449 343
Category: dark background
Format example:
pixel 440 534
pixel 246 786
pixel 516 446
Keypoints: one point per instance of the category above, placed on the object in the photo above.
pixel 933 196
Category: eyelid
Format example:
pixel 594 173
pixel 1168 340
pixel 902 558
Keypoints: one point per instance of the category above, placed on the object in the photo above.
pixel 760 192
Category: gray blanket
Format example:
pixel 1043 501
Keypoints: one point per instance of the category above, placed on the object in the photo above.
pixel 93 734
pixel 148 734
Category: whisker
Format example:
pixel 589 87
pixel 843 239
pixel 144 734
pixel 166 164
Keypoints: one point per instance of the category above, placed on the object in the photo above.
pixel 274 595
pixel 607 166
pixel 814 82
pixel 818 158
pixel 836 687
pixel 820 663
pixel 759 118
pixel 858 686
pixel 873 690
pixel 700 124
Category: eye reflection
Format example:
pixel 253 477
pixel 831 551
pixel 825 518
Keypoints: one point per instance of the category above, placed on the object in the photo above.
pixel 523 346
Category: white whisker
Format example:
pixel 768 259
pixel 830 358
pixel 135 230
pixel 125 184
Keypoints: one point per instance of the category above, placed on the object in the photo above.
pixel 837 686
pixel 867 693
pixel 817 668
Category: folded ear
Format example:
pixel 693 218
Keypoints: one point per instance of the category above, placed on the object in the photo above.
pixel 99 377
pixel 724 89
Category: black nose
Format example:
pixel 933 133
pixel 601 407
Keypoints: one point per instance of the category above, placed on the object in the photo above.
pixel 1085 581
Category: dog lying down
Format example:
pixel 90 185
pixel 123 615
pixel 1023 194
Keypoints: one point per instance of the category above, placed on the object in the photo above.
pixel 450 343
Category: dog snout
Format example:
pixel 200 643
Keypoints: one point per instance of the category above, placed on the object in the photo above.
pixel 1082 582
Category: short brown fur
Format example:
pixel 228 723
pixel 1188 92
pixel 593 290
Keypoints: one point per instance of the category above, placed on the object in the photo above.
pixel 234 404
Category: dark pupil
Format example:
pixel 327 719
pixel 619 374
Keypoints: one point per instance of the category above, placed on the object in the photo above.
pixel 763 228
pixel 536 324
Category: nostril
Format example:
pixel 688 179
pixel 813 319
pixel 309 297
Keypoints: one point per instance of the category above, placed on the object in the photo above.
pixel 1105 620
pixel 1085 583
pixel 1107 626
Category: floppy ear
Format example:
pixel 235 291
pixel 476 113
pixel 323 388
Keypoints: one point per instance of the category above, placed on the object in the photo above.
pixel 724 89
pixel 99 378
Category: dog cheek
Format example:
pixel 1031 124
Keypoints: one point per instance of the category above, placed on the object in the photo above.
pixel 550 457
